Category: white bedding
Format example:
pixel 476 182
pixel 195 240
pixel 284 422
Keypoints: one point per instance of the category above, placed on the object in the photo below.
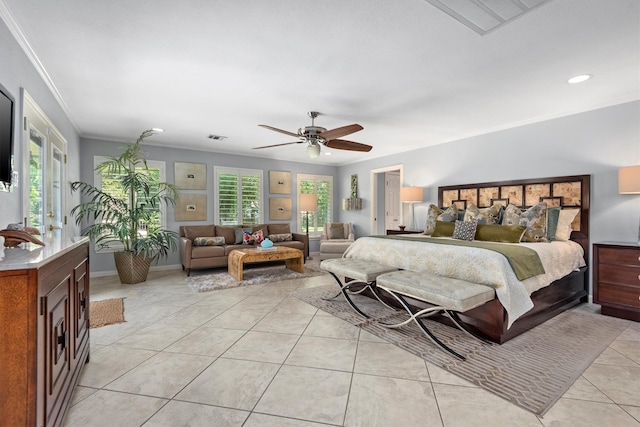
pixel 475 265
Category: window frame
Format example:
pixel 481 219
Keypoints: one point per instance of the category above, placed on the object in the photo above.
pixel 239 172
pixel 97 180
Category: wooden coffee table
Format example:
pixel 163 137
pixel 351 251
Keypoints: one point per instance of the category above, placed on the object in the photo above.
pixel 293 258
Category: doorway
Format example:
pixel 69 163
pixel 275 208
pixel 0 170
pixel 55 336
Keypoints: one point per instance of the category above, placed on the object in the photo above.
pixel 381 199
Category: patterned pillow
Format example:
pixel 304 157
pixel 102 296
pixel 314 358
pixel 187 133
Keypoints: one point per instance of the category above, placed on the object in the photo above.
pixel 534 218
pixel 464 230
pixel 258 236
pixel 490 215
pixel 284 237
pixel 436 214
pixel 208 241
pixel 247 238
pixel 240 234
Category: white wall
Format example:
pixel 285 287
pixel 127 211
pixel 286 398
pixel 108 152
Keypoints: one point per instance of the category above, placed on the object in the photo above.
pixel 594 143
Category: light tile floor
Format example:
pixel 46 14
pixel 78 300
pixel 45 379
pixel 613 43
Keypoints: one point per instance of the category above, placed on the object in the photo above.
pixel 256 356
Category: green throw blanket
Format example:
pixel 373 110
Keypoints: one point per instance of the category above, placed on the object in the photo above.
pixel 524 261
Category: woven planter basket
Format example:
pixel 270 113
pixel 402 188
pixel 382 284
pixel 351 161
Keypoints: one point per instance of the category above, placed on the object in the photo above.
pixel 132 268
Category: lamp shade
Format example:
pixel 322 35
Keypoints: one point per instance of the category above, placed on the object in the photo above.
pixel 411 194
pixel 629 180
pixel 308 202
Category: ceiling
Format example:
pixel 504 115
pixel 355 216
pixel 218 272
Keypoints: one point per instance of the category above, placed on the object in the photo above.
pixel 409 73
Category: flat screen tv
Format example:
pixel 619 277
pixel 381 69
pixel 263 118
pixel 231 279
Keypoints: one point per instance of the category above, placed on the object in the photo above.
pixel 6 134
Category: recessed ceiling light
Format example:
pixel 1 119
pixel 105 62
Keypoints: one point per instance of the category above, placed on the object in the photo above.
pixel 579 79
pixel 327 153
pixel 157 130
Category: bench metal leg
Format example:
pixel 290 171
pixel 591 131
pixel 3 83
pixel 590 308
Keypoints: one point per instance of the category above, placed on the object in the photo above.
pixel 453 315
pixel 346 287
pixel 416 315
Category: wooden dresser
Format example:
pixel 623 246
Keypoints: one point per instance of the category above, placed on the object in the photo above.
pixel 616 279
pixel 44 329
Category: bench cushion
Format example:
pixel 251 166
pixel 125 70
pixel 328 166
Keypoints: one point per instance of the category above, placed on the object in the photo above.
pixel 366 271
pixel 452 294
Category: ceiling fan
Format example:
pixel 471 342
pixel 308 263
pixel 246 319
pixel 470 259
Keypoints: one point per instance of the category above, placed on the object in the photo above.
pixel 316 136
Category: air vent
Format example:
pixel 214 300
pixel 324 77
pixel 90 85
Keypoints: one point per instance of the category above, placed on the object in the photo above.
pixel 217 137
pixel 483 16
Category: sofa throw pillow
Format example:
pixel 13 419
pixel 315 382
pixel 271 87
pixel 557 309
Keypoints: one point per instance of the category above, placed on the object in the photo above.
pixel 258 236
pixel 565 219
pixel 435 213
pixel 464 230
pixel 283 237
pixel 534 218
pixel 247 238
pixel 490 215
pixel 336 231
pixel 239 231
pixel 443 229
pixel 500 233
pixel 209 241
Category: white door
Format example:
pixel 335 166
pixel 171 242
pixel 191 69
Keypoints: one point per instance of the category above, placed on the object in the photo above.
pixel 393 213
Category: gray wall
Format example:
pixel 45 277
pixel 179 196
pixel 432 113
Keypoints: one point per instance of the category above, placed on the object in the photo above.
pixel 594 143
pixel 103 262
pixel 16 72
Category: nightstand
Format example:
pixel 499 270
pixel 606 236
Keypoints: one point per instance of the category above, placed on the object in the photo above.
pixel 394 232
pixel 616 279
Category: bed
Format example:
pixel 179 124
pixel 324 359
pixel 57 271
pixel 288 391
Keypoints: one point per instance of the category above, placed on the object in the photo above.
pixel 520 304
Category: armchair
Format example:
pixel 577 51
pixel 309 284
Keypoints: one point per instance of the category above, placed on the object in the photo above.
pixel 335 239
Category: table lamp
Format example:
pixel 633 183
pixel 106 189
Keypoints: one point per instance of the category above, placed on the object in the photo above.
pixel 411 195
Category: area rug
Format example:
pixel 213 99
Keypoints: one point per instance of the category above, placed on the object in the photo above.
pixel 106 312
pixel 251 276
pixel 532 370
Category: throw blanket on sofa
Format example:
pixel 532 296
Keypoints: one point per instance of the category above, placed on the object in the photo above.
pixel 473 264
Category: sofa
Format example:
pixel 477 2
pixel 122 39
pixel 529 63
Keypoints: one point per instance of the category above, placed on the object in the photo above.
pixel 207 246
pixel 335 239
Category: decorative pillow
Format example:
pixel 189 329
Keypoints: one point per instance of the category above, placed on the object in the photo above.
pixel 247 238
pixel 443 229
pixel 500 233
pixel 552 222
pixel 240 234
pixel 335 231
pixel 258 236
pixel 464 230
pixel 490 215
pixel 436 214
pixel 565 219
pixel 534 218
pixel 208 241
pixel 284 237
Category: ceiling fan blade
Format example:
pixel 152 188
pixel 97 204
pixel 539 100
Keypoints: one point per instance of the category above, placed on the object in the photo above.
pixel 341 144
pixel 278 145
pixel 341 131
pixel 286 132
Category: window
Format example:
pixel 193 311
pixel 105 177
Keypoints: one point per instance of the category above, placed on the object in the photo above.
pixel 322 186
pixel 238 196
pixel 110 184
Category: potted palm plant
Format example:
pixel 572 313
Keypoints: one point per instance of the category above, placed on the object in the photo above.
pixel 125 214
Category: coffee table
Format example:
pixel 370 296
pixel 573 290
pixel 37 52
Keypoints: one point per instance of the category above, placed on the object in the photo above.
pixel 293 258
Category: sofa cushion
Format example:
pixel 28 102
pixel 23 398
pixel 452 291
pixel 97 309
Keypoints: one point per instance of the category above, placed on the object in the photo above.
pixel 207 251
pixel 279 229
pixel 296 244
pixel 193 231
pixel 229 233
pixel 263 227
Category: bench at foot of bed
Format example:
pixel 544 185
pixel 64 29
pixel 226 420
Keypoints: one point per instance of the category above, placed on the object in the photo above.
pixel 448 295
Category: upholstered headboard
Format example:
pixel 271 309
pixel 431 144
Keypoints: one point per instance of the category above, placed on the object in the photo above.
pixel 564 191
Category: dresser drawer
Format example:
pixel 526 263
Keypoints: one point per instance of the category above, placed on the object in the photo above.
pixel 616 294
pixel 617 274
pixel 619 256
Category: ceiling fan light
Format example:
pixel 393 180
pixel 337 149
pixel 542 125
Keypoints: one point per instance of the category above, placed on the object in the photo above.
pixel 313 150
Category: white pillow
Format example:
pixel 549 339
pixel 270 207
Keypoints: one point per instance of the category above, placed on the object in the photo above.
pixel 563 232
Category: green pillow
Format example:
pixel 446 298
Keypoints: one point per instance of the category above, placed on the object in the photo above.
pixel 553 215
pixel 500 233
pixel 443 229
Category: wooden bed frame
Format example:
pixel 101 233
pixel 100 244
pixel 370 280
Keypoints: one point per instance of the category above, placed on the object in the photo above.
pixel 571 192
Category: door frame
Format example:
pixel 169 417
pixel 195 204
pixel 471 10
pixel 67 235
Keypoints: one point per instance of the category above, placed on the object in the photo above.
pixel 374 192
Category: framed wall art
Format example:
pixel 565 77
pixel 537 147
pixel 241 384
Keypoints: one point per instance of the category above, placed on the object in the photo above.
pixel 279 182
pixel 280 208
pixel 191 207
pixel 190 176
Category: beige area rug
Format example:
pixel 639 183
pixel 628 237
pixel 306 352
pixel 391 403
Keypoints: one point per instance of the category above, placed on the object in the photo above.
pixel 532 370
pixel 106 312
pixel 202 282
